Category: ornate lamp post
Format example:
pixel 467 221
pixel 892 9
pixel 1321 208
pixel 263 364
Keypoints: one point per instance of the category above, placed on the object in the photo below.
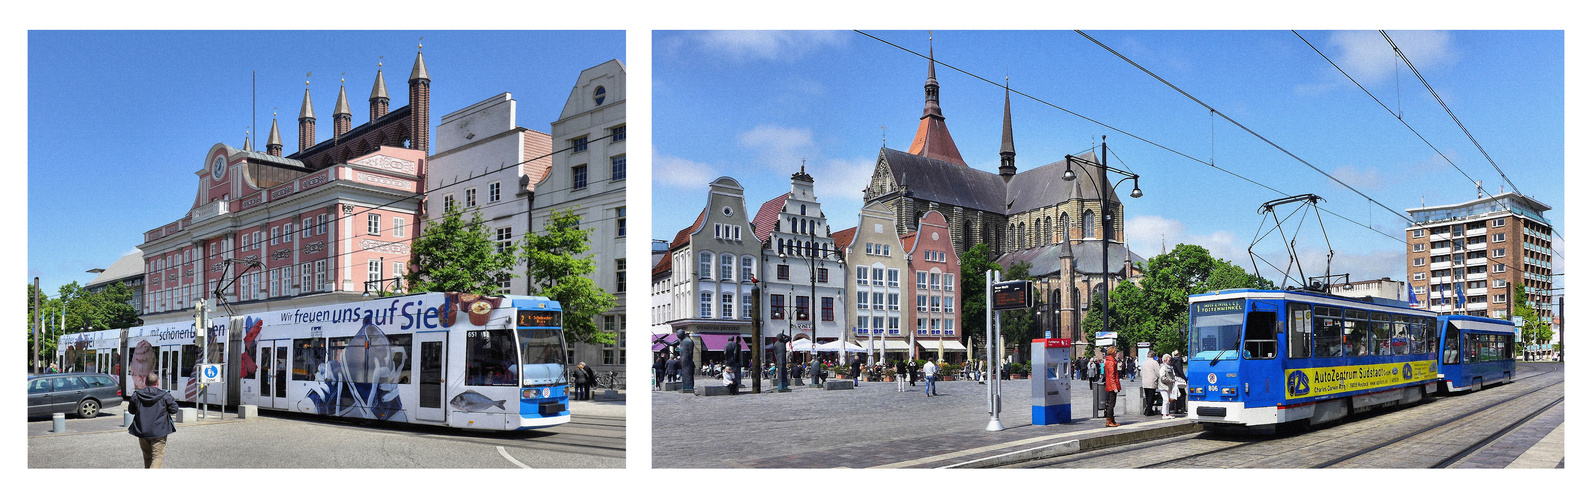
pixel 1106 214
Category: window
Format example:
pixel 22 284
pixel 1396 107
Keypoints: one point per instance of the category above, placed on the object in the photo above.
pixel 1300 326
pixel 1326 332
pixel 373 224
pixel 705 266
pixel 827 309
pixel 1499 237
pixel 287 232
pixel 705 307
pixel 879 300
pixel 879 276
pixel 617 168
pixel 777 306
pixel 487 353
pixel 863 275
pixel 919 278
pixel 304 232
pixel 578 144
pixel 783 272
pixel 1356 331
pixel 1420 276
pixel 256 245
pixel 802 308
pixel 892 301
pixel 276 235
pixel 617 134
pixel 578 177
pixel 727 306
pixel 946 281
pixel 1418 261
pixel 321 275
pixel 398 275
pixel 1416 233
pixel 747 268
pixel 892 277
pixel 504 239
pixel 863 300
pixel 824 275
pixel 935 281
pixel 373 270
pixel 321 224
pixel 1497 223
pixel 747 306
pixel 935 304
pixel 272 283
pixel 1090 224
pixel 923 300
pixel 287 280
pixel 1499 283
pixel 726 263
pixel 1499 268
pixel 619 222
pixel 448 201
pixel 1499 252
pixel 398 226
pixel 1499 298
pixel 1421 290
pixel 1419 247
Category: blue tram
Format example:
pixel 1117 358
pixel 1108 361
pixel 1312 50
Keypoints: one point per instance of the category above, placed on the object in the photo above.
pixel 1475 352
pixel 1268 357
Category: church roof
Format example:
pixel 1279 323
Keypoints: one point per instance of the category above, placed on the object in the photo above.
pixel 943 182
pixel 1047 259
pixel 768 217
pixel 1087 257
pixel 1044 186
pixel 933 140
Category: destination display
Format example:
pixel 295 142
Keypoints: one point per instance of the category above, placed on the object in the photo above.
pixel 1012 295
pixel 547 319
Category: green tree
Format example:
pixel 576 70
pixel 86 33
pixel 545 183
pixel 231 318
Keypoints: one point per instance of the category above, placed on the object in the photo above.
pixel 560 269
pixel 973 264
pixel 1534 329
pixel 74 309
pixel 455 255
pixel 1156 309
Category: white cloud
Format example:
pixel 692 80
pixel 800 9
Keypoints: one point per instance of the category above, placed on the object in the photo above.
pixel 1148 233
pixel 752 45
pixel 681 172
pixel 782 149
pixel 1368 57
pixel 839 185
pixel 1360 178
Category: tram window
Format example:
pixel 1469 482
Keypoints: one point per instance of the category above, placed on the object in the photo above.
pixel 308 355
pixel 399 357
pixel 1471 354
pixel 334 350
pixel 1381 335
pixel 490 358
pixel 190 352
pixel 1327 332
pixel 1356 332
pixel 1430 335
pixel 1300 341
pixel 1260 339
pixel 1452 349
pixel 1399 337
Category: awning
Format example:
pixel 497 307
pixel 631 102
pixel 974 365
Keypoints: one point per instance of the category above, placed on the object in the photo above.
pixel 948 344
pixel 657 346
pixel 837 346
pixel 890 345
pixel 716 341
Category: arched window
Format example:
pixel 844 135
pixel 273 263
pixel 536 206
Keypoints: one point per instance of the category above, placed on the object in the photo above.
pixel 1107 226
pixel 1023 240
pixel 1011 230
pixel 802 209
pixel 1062 228
pixel 1040 237
pixel 968 237
pixel 747 267
pixel 1047 233
pixel 1090 224
pixel 705 266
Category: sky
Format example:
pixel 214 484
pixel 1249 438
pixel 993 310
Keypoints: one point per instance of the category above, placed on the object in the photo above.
pixel 756 105
pixel 119 121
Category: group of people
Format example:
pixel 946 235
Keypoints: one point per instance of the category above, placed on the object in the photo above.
pixel 582 378
pixel 666 368
pixel 1163 378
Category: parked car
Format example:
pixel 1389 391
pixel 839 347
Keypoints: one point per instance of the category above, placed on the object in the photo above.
pixel 81 393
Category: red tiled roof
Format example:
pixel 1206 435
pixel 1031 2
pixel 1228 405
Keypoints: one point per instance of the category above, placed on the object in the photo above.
pixel 844 237
pixel 907 242
pixel 768 217
pixel 662 266
pixel 536 145
pixel 933 140
pixel 686 234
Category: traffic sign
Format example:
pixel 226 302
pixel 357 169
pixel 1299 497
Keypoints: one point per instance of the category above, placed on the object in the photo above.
pixel 210 373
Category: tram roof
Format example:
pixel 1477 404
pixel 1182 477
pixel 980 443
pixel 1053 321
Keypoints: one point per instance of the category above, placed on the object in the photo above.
pixel 1365 302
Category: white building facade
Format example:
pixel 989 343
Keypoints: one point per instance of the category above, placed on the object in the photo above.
pixel 804 281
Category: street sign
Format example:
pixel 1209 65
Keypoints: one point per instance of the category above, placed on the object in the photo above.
pixel 1010 295
pixel 1104 339
pixel 210 373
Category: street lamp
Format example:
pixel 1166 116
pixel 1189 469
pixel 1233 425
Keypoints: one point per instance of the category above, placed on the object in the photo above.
pixel 381 283
pixel 1106 214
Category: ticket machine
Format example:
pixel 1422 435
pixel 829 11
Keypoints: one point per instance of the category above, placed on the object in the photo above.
pixel 1049 381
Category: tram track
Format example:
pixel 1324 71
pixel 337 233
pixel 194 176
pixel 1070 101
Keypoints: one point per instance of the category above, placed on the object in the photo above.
pixel 1197 446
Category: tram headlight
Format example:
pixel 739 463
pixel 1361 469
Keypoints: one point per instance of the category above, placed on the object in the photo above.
pixel 1197 391
pixel 528 393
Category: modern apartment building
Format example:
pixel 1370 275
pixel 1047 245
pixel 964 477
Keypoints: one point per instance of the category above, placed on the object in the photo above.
pixel 1466 258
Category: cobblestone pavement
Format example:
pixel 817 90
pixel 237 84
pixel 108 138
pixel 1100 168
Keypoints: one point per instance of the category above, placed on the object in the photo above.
pixel 1287 449
pixel 871 426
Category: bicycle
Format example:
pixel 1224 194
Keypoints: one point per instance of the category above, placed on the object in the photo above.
pixel 610 380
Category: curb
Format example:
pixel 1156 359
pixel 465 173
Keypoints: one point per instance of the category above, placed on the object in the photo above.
pixel 1072 446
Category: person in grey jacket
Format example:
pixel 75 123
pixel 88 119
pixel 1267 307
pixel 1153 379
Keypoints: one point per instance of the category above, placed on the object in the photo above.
pixel 152 410
pixel 1149 369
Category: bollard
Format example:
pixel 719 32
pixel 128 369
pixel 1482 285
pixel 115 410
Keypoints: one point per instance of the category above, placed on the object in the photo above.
pixel 127 419
pixel 59 423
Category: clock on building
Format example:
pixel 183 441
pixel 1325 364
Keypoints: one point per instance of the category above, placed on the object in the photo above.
pixel 218 168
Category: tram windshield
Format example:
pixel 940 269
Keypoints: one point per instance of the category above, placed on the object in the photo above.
pixel 1215 328
pixel 542 352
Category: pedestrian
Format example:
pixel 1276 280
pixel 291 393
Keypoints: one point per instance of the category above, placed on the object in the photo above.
pixel 1111 376
pixel 592 378
pixel 578 378
pixel 902 376
pixel 857 370
pixel 659 364
pixel 1167 384
pixel 1178 374
pixel 1149 370
pixel 672 369
pixel 913 373
pixel 728 376
pixel 152 410
pixel 930 371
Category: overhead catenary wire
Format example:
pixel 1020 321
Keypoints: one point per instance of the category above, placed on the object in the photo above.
pixel 944 64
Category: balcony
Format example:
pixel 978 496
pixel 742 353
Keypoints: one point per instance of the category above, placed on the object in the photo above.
pixel 208 211
pixel 1477 276
pixel 1439 280
pixel 1477 247
pixel 1438 236
pixel 1477 232
pixel 1439 251
pixel 1440 265
pixel 1477 262
pixel 1476 304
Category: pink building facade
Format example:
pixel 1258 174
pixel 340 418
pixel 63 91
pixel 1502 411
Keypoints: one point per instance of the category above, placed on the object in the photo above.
pixel 934 268
pixel 270 232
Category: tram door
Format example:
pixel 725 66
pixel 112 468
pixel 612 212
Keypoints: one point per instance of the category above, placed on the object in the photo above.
pixel 171 357
pixel 274 374
pixel 429 368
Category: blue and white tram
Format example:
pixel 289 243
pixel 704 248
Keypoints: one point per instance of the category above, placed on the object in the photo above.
pixel 170 351
pixel 1475 351
pixel 1268 357
pixel 96 351
pixel 450 359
